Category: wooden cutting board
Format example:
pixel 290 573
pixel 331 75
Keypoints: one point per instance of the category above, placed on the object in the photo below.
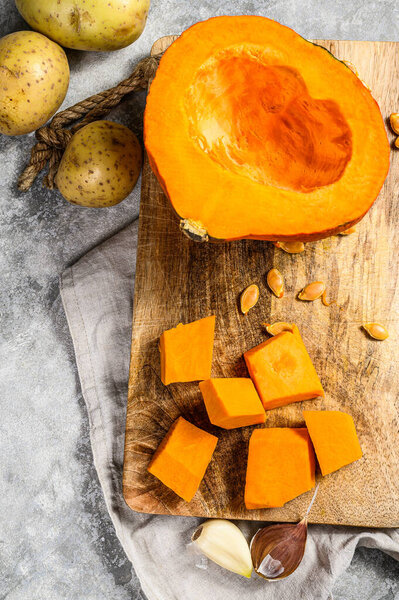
pixel 178 280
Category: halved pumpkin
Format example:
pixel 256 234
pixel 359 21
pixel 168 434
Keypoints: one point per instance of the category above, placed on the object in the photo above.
pixel 254 132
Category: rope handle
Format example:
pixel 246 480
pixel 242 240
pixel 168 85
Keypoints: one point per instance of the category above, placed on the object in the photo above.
pixel 53 138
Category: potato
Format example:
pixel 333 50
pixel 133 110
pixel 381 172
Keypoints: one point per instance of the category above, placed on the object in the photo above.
pixel 34 78
pixel 87 25
pixel 100 165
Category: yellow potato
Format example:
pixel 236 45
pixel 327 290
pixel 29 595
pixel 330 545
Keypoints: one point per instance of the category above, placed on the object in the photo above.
pixel 34 78
pixel 87 24
pixel 100 165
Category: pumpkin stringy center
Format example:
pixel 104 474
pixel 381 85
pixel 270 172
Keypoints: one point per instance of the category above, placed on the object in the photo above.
pixel 258 120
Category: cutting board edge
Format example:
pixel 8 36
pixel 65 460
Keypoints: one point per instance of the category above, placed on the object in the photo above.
pixel 225 515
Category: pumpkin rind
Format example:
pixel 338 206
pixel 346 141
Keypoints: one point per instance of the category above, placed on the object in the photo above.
pixel 254 132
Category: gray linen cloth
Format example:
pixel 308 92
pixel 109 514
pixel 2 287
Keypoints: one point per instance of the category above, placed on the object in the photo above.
pixel 97 294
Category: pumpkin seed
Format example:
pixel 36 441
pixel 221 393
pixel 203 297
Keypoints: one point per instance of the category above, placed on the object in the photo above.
pixel 312 291
pixel 348 231
pixel 394 122
pixel 290 247
pixel 275 282
pixel 278 327
pixel 249 298
pixel 376 330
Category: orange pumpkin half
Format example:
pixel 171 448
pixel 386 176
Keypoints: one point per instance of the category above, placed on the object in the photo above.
pixel 254 132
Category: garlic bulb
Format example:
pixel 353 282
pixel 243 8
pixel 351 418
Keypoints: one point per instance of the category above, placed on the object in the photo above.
pixel 277 550
pixel 224 543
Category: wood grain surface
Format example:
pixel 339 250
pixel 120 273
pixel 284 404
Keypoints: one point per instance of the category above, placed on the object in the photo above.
pixel 178 280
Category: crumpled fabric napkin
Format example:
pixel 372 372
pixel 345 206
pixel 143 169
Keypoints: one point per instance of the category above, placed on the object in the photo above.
pixel 97 294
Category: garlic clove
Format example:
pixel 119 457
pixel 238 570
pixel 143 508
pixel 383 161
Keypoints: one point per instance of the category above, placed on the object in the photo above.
pixel 224 543
pixel 277 550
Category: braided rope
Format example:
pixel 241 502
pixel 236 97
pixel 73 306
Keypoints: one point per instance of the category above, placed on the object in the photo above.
pixel 53 138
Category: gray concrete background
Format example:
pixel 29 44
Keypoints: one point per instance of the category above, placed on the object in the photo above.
pixel 56 539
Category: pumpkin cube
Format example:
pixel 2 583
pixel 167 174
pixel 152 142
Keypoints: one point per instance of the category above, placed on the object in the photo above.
pixel 186 351
pixel 232 402
pixel 334 438
pixel 281 466
pixel 282 370
pixel 182 458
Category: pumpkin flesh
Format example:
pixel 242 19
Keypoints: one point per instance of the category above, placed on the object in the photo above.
pixel 282 370
pixel 232 402
pixel 334 438
pixel 182 458
pixel 281 466
pixel 186 351
pixel 254 132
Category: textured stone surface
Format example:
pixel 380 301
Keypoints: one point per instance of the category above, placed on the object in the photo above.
pixel 56 539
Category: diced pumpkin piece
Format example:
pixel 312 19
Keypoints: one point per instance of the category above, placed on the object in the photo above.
pixel 334 438
pixel 186 351
pixel 281 466
pixel 182 458
pixel 232 402
pixel 282 370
